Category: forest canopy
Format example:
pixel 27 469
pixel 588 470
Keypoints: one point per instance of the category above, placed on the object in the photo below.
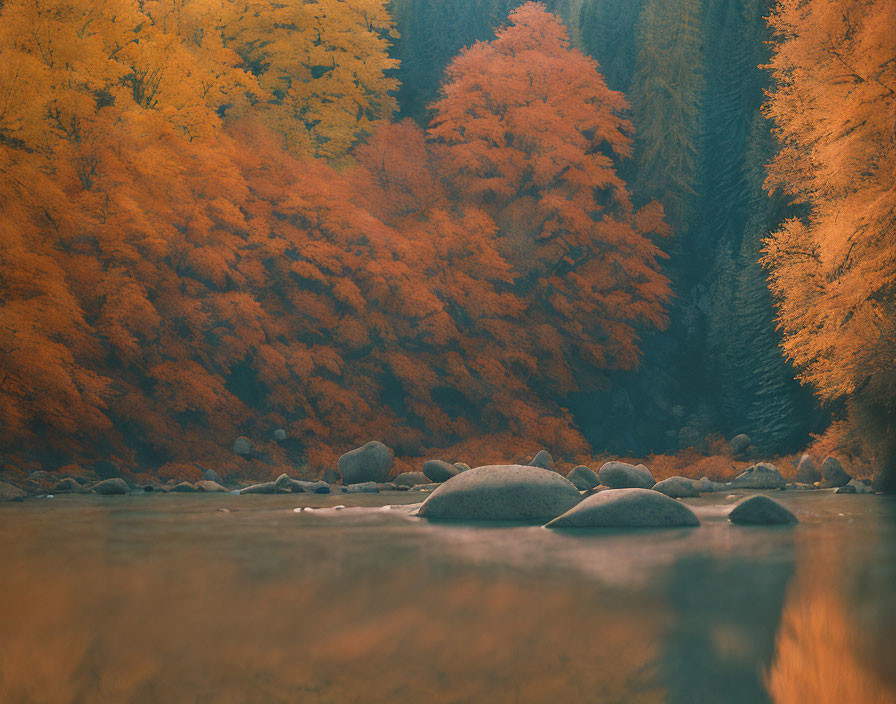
pixel 354 219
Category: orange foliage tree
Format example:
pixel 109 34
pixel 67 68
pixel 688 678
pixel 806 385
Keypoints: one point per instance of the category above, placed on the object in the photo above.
pixel 834 270
pixel 173 277
pixel 527 130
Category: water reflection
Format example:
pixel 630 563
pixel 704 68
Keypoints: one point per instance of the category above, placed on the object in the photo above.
pixel 177 602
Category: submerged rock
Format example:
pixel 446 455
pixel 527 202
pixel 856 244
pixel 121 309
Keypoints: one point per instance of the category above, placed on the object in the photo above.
pixel 542 459
pixel 507 492
pixel 438 471
pixel 677 487
pixel 833 473
pixel 111 486
pixel 627 508
pixel 8 492
pixel 622 475
pixel 763 475
pixel 209 487
pixel 369 463
pixel 583 477
pixel 411 478
pixel 761 511
pixel 242 446
pixel 361 488
pixel 806 471
pixel 261 488
pixel 318 487
pixel 705 485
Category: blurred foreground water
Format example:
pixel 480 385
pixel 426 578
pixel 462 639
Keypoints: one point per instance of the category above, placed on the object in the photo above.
pixel 167 598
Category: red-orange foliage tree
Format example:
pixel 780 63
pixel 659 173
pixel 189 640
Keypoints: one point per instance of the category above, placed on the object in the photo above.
pixel 172 277
pixel 528 131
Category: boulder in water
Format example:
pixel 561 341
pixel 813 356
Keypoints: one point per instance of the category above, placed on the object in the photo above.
pixel 622 475
pixel 111 486
pixel 67 485
pixel 209 487
pixel 627 508
pixel 261 488
pixel 763 475
pixel 411 479
pixel 761 511
pixel 507 492
pixel 369 463
pixel 183 488
pixel 833 473
pixel 361 488
pixel 677 487
pixel 438 471
pixel 8 492
pixel 846 489
pixel 860 486
pixel 542 459
pixel 583 477
pixel 806 471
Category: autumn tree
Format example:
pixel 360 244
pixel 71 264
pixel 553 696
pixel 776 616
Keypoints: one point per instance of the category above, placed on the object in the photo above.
pixel 527 130
pixel 323 66
pixel 834 270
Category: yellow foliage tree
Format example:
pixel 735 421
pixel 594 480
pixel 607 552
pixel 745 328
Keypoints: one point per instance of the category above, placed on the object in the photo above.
pixel 834 270
pixel 323 66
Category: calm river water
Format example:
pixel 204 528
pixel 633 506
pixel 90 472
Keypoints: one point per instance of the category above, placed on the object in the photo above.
pixel 168 598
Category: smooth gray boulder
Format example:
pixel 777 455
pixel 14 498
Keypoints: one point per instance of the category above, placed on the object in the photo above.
pixel 361 488
pixel 109 487
pixel 761 511
pixel 318 487
pixel 242 446
pixel 439 471
pixel 740 444
pixel 504 492
pixel 763 475
pixel 260 488
pixel 833 473
pixel 67 485
pixel 183 488
pixel 705 485
pixel 279 435
pixel 411 479
pixel 542 459
pixel 369 463
pixel 622 475
pixel 583 477
pixel 211 475
pixel 677 487
pixel 806 471
pixel 860 486
pixel 627 508
pixel 9 492
pixel 209 487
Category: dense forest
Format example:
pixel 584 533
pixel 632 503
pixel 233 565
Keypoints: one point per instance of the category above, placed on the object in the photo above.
pixel 622 226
